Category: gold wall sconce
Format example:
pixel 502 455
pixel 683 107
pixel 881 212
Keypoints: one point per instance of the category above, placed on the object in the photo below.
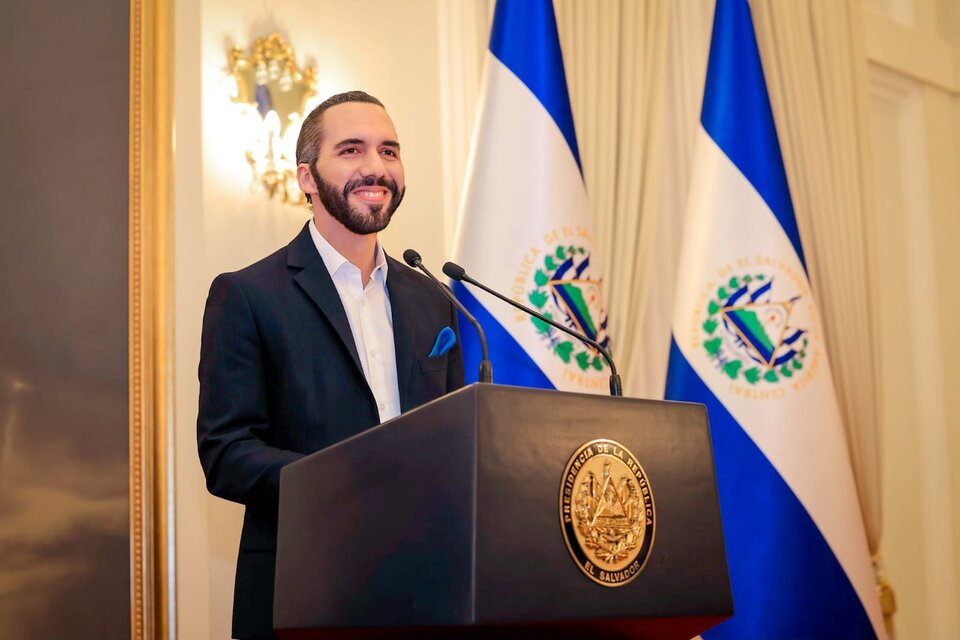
pixel 273 92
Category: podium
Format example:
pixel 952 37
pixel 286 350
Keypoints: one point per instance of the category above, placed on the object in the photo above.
pixel 460 519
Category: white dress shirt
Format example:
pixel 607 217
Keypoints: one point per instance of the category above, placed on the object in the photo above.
pixel 371 321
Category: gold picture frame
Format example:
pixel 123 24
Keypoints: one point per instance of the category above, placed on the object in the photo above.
pixel 150 319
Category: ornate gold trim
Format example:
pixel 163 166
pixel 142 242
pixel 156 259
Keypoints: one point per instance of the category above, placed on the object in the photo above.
pixel 150 306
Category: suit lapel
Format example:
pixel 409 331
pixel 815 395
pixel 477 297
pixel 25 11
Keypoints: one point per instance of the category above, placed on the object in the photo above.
pixel 315 281
pixel 403 306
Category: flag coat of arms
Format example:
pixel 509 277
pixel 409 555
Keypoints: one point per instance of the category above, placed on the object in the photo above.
pixel 524 226
pixel 748 343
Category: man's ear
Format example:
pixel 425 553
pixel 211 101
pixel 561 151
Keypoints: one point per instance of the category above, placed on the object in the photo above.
pixel 305 179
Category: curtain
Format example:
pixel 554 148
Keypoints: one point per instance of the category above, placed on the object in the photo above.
pixel 815 65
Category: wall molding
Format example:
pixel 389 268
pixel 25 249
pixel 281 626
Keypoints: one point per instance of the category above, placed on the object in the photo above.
pixel 152 558
pixel 907 104
pixel 910 51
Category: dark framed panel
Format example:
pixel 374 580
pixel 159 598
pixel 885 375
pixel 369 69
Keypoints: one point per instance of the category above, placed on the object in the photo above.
pixel 82 549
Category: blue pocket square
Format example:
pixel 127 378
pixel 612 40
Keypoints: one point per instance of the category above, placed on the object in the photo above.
pixel 445 341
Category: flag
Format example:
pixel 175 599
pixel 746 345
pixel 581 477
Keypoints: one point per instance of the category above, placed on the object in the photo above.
pixel 748 343
pixel 524 226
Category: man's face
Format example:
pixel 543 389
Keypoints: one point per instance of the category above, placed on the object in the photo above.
pixel 358 176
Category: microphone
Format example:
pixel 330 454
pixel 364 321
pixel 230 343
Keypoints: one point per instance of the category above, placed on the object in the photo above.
pixel 412 258
pixel 458 273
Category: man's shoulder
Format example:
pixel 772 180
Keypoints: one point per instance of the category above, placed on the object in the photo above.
pixel 262 271
pixel 265 281
pixel 274 268
pixel 268 265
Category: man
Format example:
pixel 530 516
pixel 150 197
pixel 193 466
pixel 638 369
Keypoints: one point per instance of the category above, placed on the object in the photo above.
pixel 323 339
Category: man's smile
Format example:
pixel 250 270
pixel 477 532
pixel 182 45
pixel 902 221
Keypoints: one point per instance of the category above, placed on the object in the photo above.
pixel 375 195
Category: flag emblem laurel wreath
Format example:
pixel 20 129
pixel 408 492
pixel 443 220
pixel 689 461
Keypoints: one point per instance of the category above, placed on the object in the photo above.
pixel 558 284
pixel 766 342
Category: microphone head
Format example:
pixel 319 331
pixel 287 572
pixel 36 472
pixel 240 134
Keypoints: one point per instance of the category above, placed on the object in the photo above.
pixel 453 270
pixel 411 257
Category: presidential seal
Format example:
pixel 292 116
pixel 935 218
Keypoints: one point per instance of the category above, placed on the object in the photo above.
pixel 607 513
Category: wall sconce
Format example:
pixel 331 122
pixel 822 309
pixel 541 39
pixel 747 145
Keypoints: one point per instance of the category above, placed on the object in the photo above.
pixel 273 92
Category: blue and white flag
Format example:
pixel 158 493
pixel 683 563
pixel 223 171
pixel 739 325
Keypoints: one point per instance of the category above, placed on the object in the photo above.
pixel 524 227
pixel 748 343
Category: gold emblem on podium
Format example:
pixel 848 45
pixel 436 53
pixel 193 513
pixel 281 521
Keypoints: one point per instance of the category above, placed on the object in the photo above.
pixel 607 512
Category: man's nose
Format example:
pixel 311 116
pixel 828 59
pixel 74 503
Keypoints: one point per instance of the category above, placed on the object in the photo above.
pixel 373 165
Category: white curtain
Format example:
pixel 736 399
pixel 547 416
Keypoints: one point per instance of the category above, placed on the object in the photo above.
pixel 816 73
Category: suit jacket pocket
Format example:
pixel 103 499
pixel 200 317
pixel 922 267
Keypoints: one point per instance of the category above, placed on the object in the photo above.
pixel 436 363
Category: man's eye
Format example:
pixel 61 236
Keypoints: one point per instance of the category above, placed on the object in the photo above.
pixel 390 152
pixel 349 151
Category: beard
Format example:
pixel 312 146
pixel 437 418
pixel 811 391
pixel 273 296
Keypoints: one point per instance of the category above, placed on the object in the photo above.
pixel 337 203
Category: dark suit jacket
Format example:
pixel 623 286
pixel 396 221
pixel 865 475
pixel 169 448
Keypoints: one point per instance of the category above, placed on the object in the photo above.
pixel 280 378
